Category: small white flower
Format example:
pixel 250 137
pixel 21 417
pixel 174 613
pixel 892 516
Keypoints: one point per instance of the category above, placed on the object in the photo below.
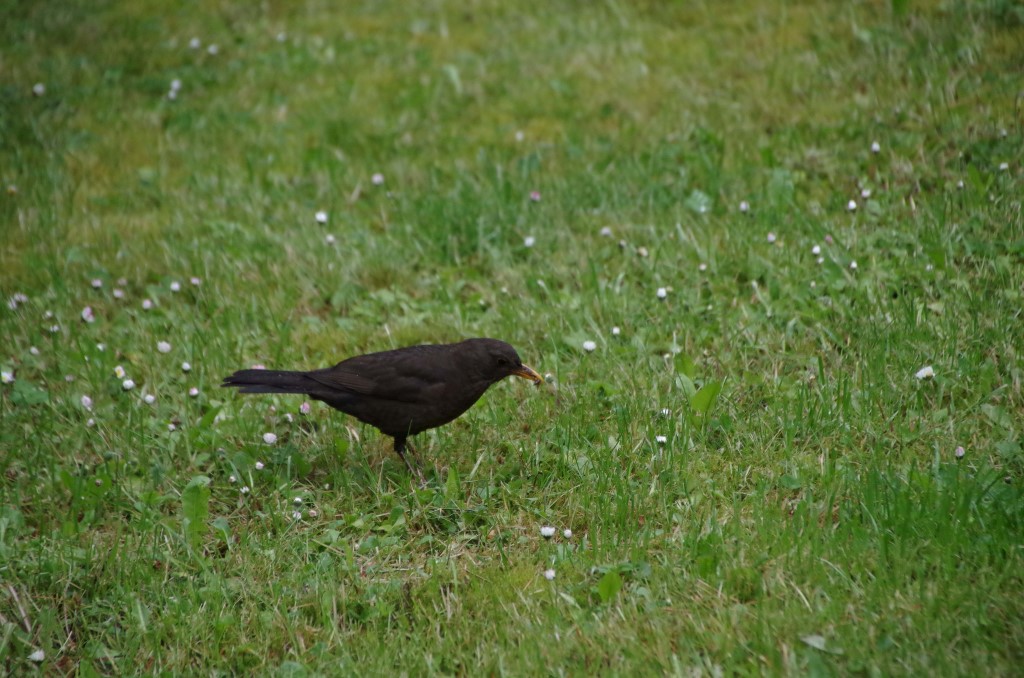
pixel 662 292
pixel 147 304
pixel 193 392
pixel 90 422
pixel 172 427
pixel 37 656
pixel 875 147
pixel 304 408
pixel 118 293
pixel 185 367
pixel 519 136
pixel 175 286
pixel 606 232
pixel 244 489
pixel 549 574
pixel 175 85
pixel 288 417
pixel 926 372
pixel 1003 166
pixel 297 501
pixel 69 378
pixel 816 250
pixel 7 377
pixel 127 384
pixel 312 513
pixel 821 260
pixel 960 452
pixel 567 533
pixel 772 237
pixel 119 372
pixel 616 331
pixel 929 267
pixel 54 329
pixel 813 284
pixel 259 466
pixel 865 193
pixel 163 347
pixel 529 241
pixel 87 402
pixel 744 206
pixel 39 89
pixel 96 283
pixel 196 281
pixel 33 350
pixel 377 179
pixel 853 265
pixel 852 205
pixel 702 267
pixel 296 515
pixel 194 43
pixel 329 239
pixel 212 49
pixel 149 398
pixel 101 347
pixel 48 315
pixel 589 346
pixel 666 412
pixel 321 217
pixel 270 438
pixel 661 440
pixel 232 479
pixel 547 532
pixel 960 183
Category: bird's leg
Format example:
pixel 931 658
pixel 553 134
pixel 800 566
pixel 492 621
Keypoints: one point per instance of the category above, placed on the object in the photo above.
pixel 400 446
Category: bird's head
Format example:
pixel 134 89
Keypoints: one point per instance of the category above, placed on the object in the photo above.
pixel 495 360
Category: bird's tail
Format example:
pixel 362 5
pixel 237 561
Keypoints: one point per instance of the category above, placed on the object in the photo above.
pixel 270 381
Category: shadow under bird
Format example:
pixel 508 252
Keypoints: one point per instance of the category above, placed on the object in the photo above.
pixel 400 392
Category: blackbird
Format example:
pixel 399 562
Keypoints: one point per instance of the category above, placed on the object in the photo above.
pixel 401 392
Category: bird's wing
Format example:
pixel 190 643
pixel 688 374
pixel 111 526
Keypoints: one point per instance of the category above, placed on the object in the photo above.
pixel 402 375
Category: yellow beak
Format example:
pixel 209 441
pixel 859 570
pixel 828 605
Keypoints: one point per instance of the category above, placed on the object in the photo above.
pixel 527 372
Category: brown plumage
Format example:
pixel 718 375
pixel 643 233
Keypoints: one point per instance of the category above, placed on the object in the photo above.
pixel 401 392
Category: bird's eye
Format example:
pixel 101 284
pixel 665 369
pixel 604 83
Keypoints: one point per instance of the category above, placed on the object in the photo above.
pixel 502 360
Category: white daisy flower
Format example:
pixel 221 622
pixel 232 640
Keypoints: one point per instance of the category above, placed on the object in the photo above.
pixel 547 531
pixel 926 372
pixel 163 347
pixel 127 384
pixel 270 438
pixel 589 346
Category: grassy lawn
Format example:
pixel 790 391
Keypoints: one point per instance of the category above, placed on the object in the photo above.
pixel 792 232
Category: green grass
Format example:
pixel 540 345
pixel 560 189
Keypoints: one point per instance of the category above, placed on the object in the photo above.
pixel 807 513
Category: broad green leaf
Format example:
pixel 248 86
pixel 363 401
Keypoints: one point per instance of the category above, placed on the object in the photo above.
pixel 705 398
pixel 609 585
pixel 195 508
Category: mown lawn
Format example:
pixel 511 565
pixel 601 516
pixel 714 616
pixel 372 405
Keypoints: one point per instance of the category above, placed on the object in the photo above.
pixel 790 235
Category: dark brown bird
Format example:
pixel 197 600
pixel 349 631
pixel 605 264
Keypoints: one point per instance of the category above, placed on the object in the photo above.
pixel 401 392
